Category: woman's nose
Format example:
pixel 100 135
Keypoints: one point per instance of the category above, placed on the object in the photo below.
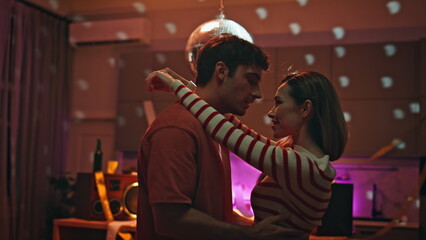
pixel 271 113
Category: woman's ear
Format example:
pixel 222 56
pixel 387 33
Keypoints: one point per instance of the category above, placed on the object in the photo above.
pixel 307 109
pixel 221 71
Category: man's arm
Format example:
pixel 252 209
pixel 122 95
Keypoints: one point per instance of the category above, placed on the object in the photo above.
pixel 180 221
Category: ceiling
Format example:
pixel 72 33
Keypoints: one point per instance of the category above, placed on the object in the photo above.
pixel 271 22
pixel 95 9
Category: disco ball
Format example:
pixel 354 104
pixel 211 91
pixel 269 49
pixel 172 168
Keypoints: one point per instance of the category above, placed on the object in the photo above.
pixel 208 30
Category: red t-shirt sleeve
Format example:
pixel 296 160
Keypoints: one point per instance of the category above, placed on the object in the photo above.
pixel 172 167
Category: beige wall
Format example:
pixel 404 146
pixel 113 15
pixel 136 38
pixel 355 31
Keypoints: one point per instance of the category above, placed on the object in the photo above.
pixel 107 80
pixel 94 106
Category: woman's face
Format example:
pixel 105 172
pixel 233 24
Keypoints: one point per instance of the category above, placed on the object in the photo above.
pixel 286 114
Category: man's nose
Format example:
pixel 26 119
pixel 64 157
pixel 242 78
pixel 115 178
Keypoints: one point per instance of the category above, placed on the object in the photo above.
pixel 257 93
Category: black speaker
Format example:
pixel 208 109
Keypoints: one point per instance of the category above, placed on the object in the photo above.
pixel 337 220
pixel 122 193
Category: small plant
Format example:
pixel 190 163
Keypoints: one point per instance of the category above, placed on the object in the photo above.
pixel 65 186
pixel 63 205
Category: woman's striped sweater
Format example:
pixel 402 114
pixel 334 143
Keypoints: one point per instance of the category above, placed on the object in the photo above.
pixel 298 182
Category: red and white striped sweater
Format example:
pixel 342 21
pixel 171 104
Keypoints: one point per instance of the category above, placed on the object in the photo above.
pixel 297 182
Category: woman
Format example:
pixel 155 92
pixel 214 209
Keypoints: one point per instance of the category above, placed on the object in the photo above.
pixel 307 113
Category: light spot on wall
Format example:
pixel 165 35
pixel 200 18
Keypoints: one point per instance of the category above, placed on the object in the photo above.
pixel 266 120
pixel 83 85
pixel 122 35
pixel 369 195
pixel 139 111
pixel 258 100
pixel 398 113
pixel 393 7
pixel 111 61
pixel 310 59
pixel 390 50
pixel 121 63
pixel 73 41
pixel 170 27
pixel 417 203
pixel 54 4
pixel 344 81
pixel 262 13
pixel 79 114
pixel 399 144
pixel 294 28
pixel 147 71
pixel 87 24
pixel 404 219
pixel 347 116
pixel 302 2
pixel 121 121
pixel 338 32
pixel 414 107
pixel 340 51
pixel 91 157
pixel 161 58
pixel 387 82
pixel 78 18
pixel 139 7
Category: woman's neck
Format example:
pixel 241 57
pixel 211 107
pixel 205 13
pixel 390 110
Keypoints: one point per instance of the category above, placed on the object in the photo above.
pixel 305 140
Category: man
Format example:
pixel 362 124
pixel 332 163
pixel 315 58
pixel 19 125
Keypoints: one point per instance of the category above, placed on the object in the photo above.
pixel 184 175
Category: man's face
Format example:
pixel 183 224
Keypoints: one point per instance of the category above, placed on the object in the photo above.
pixel 240 90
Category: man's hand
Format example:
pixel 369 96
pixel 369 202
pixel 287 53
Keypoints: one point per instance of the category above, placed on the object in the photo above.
pixel 180 221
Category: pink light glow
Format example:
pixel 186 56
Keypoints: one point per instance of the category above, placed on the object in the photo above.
pixel 244 178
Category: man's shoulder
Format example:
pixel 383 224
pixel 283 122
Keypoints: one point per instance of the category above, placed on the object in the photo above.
pixel 175 112
pixel 178 116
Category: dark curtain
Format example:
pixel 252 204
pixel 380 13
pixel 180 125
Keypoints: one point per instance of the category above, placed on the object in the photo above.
pixel 34 110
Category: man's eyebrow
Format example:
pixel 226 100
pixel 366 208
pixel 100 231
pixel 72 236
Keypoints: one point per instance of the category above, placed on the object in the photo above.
pixel 256 75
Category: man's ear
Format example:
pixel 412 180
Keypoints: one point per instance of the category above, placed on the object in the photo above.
pixel 221 71
pixel 307 109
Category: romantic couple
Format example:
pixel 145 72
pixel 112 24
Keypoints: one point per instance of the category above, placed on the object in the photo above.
pixel 183 165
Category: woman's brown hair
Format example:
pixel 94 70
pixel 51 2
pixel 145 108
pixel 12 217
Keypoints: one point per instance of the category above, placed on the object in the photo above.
pixel 327 125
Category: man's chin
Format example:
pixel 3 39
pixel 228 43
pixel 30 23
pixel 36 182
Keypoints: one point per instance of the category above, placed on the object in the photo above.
pixel 239 113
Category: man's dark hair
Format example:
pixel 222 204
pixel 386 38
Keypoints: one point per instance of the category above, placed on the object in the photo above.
pixel 231 50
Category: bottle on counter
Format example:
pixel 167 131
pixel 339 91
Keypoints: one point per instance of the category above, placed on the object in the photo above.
pixel 97 161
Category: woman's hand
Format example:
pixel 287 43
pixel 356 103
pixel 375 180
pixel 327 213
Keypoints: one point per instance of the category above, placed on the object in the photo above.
pixel 189 84
pixel 286 142
pixel 160 80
